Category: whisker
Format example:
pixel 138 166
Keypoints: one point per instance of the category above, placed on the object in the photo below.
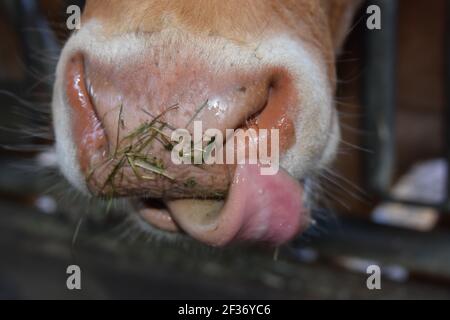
pixel 345 180
pixel 343 189
pixel 36 107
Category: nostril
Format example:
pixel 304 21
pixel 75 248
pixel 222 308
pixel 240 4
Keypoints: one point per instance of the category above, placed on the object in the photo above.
pixel 257 99
pixel 252 120
pixel 87 130
pixel 277 111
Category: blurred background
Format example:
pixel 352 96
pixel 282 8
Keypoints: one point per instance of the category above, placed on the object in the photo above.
pixel 385 203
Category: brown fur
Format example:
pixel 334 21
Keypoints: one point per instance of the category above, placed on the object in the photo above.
pixel 320 22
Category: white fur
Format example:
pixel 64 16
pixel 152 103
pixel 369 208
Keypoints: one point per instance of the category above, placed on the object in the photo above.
pixel 65 146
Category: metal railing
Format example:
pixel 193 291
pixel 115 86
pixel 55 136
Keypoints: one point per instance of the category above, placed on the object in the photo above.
pixel 379 103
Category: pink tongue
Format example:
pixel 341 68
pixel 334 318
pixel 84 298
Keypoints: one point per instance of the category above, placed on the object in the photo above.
pixel 259 208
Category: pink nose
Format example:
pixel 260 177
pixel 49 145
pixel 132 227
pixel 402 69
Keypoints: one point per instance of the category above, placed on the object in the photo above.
pixel 122 113
pixel 122 120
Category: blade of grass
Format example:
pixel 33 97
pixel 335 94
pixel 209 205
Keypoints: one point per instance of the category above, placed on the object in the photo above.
pixel 133 167
pixel 197 112
pixel 92 171
pixel 157 118
pixel 119 124
pixel 150 167
pixel 208 149
pixel 113 174
pixel 152 137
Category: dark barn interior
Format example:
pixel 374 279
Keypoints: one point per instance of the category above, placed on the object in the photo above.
pixel 388 204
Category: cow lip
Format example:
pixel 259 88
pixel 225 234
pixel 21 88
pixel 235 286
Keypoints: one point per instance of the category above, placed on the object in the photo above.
pixel 274 218
pixel 157 213
pixel 87 130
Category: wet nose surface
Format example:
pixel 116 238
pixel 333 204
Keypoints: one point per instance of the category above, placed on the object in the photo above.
pixel 123 116
pixel 87 130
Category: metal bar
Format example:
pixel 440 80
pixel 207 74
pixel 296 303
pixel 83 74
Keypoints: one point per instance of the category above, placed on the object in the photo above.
pixel 447 92
pixel 379 97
